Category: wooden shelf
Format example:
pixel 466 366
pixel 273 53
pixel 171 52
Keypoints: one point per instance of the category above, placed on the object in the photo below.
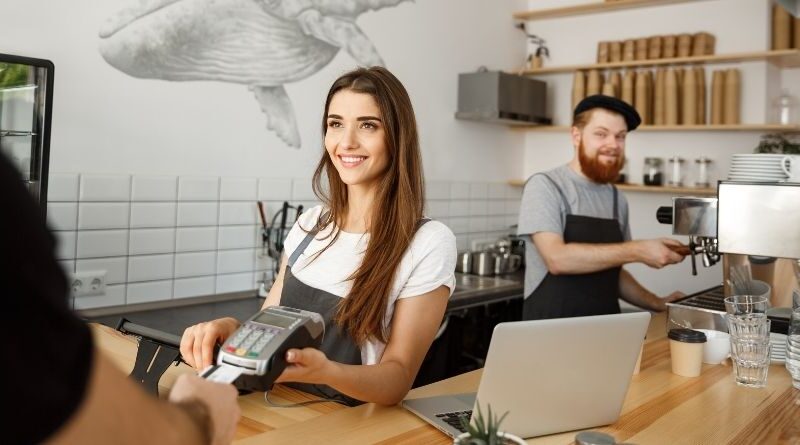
pixel 592 8
pixel 784 58
pixel 647 188
pixel 655 128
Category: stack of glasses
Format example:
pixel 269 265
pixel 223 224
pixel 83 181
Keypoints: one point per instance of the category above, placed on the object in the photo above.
pixel 750 346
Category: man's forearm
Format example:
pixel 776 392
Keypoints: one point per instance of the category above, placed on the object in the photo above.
pixel 583 258
pixel 636 294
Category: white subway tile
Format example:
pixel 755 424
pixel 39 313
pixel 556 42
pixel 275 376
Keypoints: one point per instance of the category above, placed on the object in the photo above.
pixel 459 190
pixel 154 188
pixel 62 215
pixel 238 189
pixel 270 189
pixel 462 242
pixel 236 237
pixel 62 187
pixel 514 192
pixel 192 239
pixel 497 190
pixel 103 215
pixel 234 282
pixel 230 261
pixel 109 188
pixel 263 262
pixel 195 264
pixel 116 268
pixel 497 223
pixel 438 209
pixel 148 268
pixel 151 291
pixel 478 190
pixel 193 188
pixel 459 208
pixel 478 208
pixel 193 287
pixel 102 243
pixel 512 220
pixel 437 190
pixel 478 224
pixel 459 225
pixel 114 296
pixel 148 241
pixel 512 207
pixel 152 214
pixel 496 207
pixel 197 214
pixel 231 213
pixel 302 190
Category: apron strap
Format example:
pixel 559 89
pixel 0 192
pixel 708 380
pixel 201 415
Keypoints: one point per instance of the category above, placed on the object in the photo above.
pixel 310 237
pixel 617 217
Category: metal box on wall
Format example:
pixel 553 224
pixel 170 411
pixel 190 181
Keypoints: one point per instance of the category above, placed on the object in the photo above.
pixel 495 96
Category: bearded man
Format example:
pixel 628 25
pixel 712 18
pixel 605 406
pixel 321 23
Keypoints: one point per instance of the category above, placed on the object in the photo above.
pixel 576 226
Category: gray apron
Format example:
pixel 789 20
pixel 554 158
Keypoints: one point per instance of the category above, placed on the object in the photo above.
pixel 337 343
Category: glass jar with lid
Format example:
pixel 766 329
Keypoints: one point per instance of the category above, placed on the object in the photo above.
pixel 653 171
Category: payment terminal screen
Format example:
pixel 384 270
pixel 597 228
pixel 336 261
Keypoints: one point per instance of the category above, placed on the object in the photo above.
pixel 274 320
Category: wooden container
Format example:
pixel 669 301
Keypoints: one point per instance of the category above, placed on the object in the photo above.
pixel 641 49
pixel 594 82
pixel 669 46
pixel 602 52
pixel 615 51
pixel 628 82
pixel 781 28
pixel 731 109
pixel 689 98
pixel 700 73
pixel 629 50
pixel 684 45
pixel 717 96
pixel 658 97
pixel 642 96
pixel 654 48
pixel 615 79
pixel 608 90
pixel 671 97
pixel 703 44
pixel 796 39
pixel 578 88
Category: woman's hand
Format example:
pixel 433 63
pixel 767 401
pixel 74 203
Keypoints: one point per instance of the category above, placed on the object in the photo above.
pixel 307 365
pixel 198 341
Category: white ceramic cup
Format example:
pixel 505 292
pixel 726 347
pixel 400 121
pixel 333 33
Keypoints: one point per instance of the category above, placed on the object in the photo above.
pixel 717 346
pixel 791 167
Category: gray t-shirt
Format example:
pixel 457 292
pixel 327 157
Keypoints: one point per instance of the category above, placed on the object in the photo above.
pixel 543 210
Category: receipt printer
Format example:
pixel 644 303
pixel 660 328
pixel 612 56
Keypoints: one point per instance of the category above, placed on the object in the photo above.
pixel 255 355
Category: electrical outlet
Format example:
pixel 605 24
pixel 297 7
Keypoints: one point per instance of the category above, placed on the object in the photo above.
pixel 88 283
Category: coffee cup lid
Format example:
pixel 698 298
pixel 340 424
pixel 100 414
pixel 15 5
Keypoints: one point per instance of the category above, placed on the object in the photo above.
pixel 687 335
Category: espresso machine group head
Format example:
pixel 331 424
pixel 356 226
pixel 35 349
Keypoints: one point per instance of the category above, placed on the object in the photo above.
pixel 697 219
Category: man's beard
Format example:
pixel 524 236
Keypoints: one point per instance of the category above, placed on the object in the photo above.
pixel 597 171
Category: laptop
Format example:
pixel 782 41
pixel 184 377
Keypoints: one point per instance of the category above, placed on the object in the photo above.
pixel 550 376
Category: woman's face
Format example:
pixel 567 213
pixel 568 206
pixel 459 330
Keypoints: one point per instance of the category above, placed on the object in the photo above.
pixel 355 138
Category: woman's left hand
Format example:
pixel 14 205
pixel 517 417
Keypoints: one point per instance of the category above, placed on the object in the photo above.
pixel 307 365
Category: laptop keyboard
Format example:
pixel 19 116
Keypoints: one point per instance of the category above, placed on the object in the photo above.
pixel 454 419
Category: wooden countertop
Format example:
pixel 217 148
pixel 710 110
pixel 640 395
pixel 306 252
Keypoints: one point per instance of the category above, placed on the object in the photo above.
pixel 660 407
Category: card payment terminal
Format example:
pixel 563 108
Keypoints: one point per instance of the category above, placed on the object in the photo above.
pixel 255 355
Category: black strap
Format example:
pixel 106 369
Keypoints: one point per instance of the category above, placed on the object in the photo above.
pixel 617 217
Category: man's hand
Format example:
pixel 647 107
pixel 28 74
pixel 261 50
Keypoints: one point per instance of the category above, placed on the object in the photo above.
pixel 219 399
pixel 660 252
pixel 662 302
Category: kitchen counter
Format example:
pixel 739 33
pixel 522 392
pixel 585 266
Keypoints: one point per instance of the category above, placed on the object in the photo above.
pixel 474 290
pixel 660 407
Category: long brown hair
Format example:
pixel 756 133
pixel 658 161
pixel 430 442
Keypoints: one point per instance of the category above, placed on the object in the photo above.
pixel 397 208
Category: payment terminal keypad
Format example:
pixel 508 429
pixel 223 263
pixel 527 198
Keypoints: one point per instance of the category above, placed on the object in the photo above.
pixel 250 341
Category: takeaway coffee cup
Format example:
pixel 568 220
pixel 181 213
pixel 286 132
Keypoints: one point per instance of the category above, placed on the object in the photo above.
pixel 686 351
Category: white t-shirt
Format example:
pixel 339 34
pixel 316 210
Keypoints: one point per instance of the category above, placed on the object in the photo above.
pixel 429 262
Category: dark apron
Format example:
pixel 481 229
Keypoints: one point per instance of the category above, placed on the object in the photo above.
pixel 336 344
pixel 595 293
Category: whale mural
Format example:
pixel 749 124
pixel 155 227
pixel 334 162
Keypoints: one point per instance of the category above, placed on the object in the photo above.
pixel 263 44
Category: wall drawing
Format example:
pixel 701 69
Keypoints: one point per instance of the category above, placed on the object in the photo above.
pixel 263 44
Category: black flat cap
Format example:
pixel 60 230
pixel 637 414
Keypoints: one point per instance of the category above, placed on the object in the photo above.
pixel 631 116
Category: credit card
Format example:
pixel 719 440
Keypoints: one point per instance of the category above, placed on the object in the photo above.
pixel 221 373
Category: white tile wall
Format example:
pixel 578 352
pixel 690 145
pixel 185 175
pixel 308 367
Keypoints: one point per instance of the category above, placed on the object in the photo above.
pixel 154 188
pixel 163 237
pixel 152 214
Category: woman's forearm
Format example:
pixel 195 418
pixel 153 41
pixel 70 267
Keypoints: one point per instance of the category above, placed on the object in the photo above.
pixel 386 383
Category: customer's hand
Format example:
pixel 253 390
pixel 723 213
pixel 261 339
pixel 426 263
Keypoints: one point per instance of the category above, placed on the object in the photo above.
pixel 661 252
pixel 198 341
pixel 662 302
pixel 219 400
pixel 307 365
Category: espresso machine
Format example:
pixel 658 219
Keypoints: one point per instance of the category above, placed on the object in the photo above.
pixel 754 229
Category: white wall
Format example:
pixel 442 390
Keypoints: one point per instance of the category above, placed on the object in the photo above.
pixel 739 26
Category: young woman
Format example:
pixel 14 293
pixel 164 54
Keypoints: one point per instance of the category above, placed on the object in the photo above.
pixel 367 259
